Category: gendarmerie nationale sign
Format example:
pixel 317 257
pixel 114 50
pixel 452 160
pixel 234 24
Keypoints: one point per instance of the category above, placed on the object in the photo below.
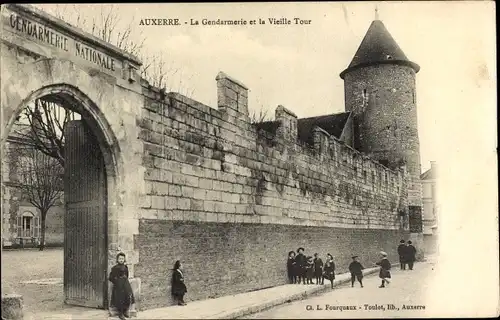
pixel 27 24
pixel 50 36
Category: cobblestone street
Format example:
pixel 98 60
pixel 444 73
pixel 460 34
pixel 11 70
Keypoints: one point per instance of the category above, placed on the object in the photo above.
pixel 407 288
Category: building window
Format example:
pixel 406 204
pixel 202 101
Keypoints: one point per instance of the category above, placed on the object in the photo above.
pixel 364 176
pixel 28 225
pixel 433 191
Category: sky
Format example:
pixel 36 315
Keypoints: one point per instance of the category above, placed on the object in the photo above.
pixel 298 66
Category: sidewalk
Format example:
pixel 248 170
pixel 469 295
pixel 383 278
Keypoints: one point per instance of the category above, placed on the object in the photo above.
pixel 227 307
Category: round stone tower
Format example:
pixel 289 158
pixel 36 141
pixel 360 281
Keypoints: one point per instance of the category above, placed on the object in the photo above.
pixel 379 86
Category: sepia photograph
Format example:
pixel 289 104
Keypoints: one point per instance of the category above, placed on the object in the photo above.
pixel 279 160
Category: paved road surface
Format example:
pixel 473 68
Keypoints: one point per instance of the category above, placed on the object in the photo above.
pixel 408 288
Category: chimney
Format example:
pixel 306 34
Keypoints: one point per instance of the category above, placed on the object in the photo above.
pixel 288 120
pixel 321 140
pixel 232 95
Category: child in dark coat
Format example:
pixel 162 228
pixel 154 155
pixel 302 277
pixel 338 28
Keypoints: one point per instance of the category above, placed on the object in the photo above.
pixel 291 267
pixel 121 296
pixel 178 286
pixel 300 265
pixel 329 270
pixel 356 270
pixel 385 266
pixel 310 270
pixel 318 269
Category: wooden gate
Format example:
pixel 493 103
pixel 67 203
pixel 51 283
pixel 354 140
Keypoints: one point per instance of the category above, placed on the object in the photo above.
pixel 85 235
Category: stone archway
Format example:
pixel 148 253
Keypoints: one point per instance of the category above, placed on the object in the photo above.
pixel 110 100
pixel 73 99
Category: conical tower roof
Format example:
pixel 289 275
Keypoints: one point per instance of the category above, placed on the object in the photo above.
pixel 378 47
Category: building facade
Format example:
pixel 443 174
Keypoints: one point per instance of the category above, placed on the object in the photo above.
pixel 430 209
pixel 21 220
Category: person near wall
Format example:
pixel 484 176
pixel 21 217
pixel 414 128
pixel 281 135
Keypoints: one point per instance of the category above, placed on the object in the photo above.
pixel 402 254
pixel 329 270
pixel 300 261
pixel 318 269
pixel 310 270
pixel 122 296
pixel 385 267
pixel 179 288
pixel 356 270
pixel 411 253
pixel 291 267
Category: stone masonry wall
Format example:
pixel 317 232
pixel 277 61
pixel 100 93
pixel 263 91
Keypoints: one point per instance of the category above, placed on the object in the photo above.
pixel 211 167
pixel 227 258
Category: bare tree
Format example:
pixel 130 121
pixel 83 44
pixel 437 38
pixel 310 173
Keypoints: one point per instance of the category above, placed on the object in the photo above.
pixel 42 125
pixel 40 180
pixel 259 116
pixel 108 26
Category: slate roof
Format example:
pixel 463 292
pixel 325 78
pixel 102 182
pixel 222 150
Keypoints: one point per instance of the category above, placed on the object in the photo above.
pixel 378 47
pixel 333 124
pixel 269 126
pixel 428 175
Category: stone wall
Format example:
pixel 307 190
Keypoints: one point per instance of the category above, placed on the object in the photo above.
pixel 212 169
pixel 228 258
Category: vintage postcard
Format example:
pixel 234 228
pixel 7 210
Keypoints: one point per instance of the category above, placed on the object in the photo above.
pixel 249 160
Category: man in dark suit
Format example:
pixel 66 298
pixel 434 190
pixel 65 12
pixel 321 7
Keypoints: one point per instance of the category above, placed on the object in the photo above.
pixel 411 253
pixel 402 254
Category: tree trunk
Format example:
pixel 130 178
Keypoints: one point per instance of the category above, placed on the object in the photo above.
pixel 42 231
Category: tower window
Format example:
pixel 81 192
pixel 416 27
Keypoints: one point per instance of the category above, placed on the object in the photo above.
pixel 389 57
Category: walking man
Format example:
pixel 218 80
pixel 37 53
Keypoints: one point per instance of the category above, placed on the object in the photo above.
pixel 402 254
pixel 411 252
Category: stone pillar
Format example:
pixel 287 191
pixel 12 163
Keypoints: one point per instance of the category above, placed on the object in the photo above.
pixel 232 96
pixel 288 121
pixel 12 307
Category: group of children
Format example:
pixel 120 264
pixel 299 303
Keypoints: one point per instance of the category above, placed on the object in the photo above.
pixel 302 268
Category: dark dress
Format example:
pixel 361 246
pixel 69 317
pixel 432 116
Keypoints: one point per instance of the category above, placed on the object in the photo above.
pixel 309 271
pixel 178 285
pixel 291 268
pixel 329 270
pixel 318 267
pixel 385 266
pixel 121 296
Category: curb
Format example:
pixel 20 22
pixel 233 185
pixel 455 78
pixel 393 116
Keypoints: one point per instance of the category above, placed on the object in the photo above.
pixel 245 311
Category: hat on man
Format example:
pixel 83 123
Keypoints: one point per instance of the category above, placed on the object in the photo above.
pixel 409 241
pixel 402 241
pixel 301 249
pixel 353 257
pixel 383 253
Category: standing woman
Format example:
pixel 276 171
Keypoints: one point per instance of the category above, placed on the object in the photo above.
pixel 329 272
pixel 178 287
pixel 121 296
pixel 291 268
